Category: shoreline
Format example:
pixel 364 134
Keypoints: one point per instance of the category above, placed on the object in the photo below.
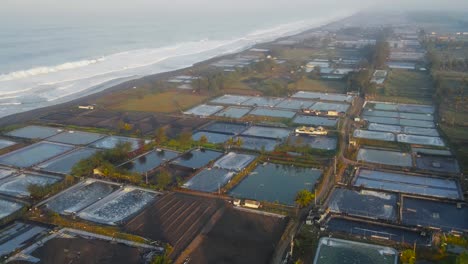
pixel 34 114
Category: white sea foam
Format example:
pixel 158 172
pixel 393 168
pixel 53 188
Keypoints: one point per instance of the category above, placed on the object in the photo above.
pixel 44 86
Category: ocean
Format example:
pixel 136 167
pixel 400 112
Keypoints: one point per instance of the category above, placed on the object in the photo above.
pixel 45 62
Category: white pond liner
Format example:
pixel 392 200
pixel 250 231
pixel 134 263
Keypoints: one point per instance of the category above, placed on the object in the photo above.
pixel 421 140
pixel 234 161
pixel 376 135
pixel 117 206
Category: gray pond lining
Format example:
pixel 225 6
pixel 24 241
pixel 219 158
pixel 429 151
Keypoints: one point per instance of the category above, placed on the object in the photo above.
pixel 333 250
pixel 377 135
pixel 234 112
pixel 32 132
pixel 323 96
pixel 405 183
pixel 364 203
pixel 385 157
pixel 209 180
pixel 434 214
pixel 204 110
pixel 262 111
pixel 34 154
pixel 230 99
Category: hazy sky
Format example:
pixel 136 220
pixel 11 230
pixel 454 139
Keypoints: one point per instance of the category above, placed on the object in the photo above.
pixel 156 6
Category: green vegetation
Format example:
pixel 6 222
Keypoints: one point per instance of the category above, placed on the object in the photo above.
pixel 408 256
pixel 162 102
pixel 403 86
pixel 304 198
pixel 241 175
pixel 163 179
pixel 38 192
pixel 164 258
pixel 451 89
pixel 56 219
pixel 103 163
pixel 307 84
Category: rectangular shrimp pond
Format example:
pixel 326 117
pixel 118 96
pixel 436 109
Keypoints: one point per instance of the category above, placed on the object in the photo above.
pixel 315 142
pixel 197 158
pixel 276 183
pixel 32 132
pixel 420 140
pixel 294 104
pixel 76 138
pixel 17 186
pixel 377 231
pixel 8 207
pixel 234 112
pixel 150 160
pixel 315 120
pixel 409 108
pixel 234 161
pixel 80 196
pixel 112 141
pixel 322 106
pixel 258 143
pixel 443 215
pixel 4 172
pixel 385 157
pixel 230 99
pixel 263 111
pixel 334 250
pixel 225 127
pixel 212 137
pixel 204 110
pixel 263 101
pixel 364 203
pixel 323 96
pixel 64 163
pixel 375 135
pixel 406 183
pixel 267 132
pixel 34 154
pixel 209 180
pixel 6 143
pixel 118 206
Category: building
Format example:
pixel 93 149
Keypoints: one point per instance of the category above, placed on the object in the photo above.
pixel 252 204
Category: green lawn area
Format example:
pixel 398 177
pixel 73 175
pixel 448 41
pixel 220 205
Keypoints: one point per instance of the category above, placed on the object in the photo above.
pixel 308 84
pixel 164 102
pixel 458 137
pixel 405 86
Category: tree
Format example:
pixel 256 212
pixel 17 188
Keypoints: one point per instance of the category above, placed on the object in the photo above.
pixel 304 198
pixel 462 258
pixel 239 142
pixel 185 139
pixel 408 256
pixel 163 179
pixel 203 139
pixel 161 136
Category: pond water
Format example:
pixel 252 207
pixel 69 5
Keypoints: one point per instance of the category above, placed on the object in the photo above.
pixel 276 183
pixel 34 154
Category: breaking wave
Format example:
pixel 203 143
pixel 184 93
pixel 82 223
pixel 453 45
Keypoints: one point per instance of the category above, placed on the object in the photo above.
pixel 44 86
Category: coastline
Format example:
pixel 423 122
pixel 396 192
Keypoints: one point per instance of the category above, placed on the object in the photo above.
pixel 30 115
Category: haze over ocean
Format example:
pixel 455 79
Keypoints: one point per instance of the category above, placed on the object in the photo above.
pixel 56 59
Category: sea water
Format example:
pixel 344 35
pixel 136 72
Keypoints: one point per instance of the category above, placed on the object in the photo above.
pixel 46 61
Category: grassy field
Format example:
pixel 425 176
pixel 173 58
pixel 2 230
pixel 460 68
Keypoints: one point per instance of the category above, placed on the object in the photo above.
pixel 308 84
pixel 164 102
pixel 407 87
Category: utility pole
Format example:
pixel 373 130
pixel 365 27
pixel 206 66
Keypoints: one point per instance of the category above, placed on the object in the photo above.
pixel 292 246
pixel 146 176
pixel 334 166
